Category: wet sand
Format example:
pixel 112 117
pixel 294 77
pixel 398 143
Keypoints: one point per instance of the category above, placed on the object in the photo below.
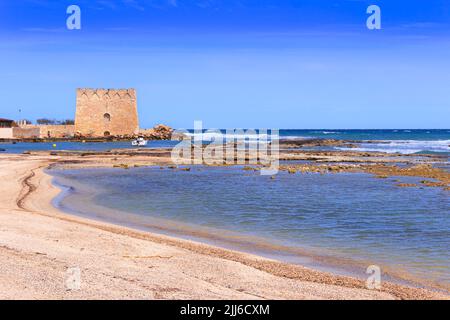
pixel 38 243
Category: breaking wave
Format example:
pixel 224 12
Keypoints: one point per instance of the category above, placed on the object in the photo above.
pixel 404 146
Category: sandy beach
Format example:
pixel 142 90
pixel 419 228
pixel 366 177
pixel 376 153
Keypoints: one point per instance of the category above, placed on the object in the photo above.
pixel 225 150
pixel 38 243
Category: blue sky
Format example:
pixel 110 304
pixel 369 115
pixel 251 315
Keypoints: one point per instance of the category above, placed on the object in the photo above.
pixel 233 63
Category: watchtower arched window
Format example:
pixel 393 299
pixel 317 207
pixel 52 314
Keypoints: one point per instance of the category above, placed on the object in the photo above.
pixel 107 117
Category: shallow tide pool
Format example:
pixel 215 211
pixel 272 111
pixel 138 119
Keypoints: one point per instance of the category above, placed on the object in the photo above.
pixel 346 220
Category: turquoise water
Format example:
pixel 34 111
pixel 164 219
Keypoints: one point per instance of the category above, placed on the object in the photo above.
pixel 392 141
pixel 312 219
pixel 374 134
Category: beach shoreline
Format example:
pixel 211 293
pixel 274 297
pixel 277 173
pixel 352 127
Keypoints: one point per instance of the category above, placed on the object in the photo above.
pixel 81 199
pixel 39 243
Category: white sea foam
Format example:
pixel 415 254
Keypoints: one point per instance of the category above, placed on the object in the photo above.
pixel 296 137
pixel 208 136
pixel 404 146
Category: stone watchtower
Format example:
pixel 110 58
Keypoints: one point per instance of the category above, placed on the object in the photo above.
pixel 106 112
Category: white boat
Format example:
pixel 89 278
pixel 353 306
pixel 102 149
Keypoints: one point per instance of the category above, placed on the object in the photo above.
pixel 139 142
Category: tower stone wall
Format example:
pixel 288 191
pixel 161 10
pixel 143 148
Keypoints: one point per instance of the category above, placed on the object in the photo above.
pixel 44 131
pixel 104 112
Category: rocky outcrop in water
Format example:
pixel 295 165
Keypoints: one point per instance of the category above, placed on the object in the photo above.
pixel 302 143
pixel 159 132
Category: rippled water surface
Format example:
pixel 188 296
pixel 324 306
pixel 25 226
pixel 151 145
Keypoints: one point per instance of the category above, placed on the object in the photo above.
pixel 345 215
pixel 391 141
pixel 20 147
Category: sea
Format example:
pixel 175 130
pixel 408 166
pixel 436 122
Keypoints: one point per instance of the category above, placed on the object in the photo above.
pixel 340 223
pixel 404 141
